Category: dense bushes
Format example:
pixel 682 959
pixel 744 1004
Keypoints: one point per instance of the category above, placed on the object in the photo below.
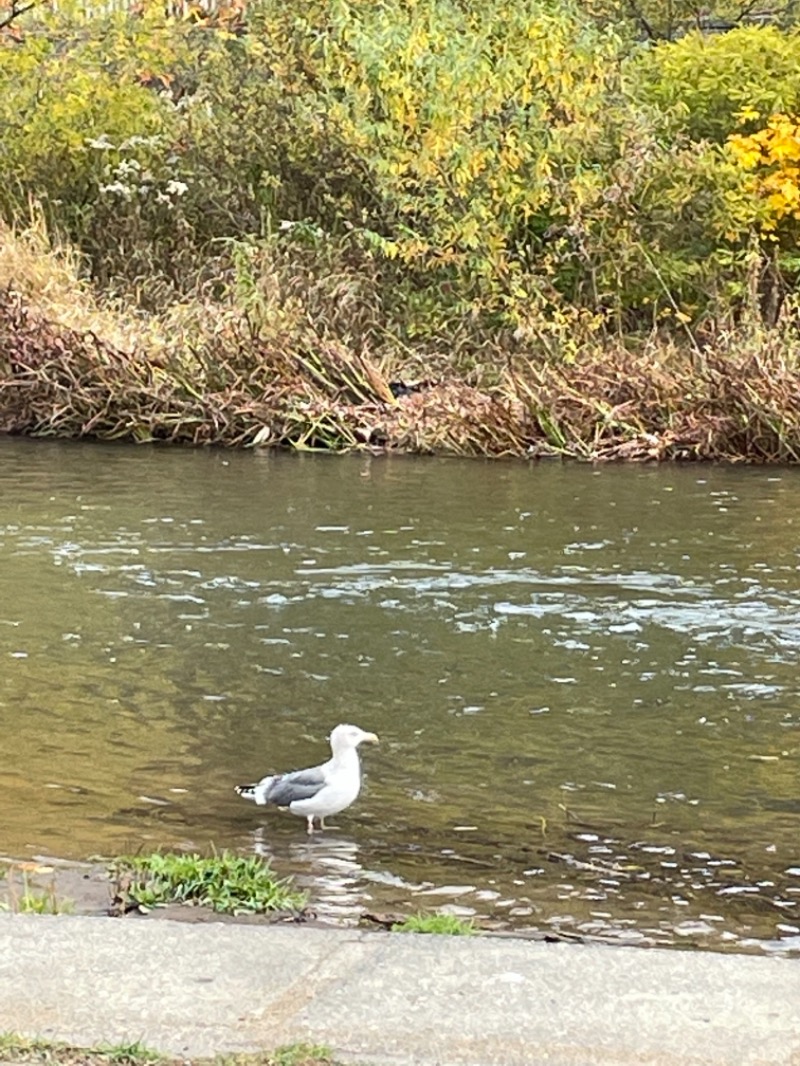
pixel 505 161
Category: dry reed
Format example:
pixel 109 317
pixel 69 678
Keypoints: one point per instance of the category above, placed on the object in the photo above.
pixel 203 373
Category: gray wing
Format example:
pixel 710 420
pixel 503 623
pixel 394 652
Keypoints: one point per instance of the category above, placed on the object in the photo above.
pixel 299 785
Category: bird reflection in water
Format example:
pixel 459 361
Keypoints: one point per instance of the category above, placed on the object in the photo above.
pixel 328 868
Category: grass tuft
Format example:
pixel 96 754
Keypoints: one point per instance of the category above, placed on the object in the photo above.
pixel 289 1055
pixel 27 898
pixel 301 1055
pixel 227 883
pixel 19 1049
pixel 441 924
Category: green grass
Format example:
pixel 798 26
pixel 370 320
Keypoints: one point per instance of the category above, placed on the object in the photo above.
pixel 14 1048
pixel 227 883
pixel 443 924
pixel 28 899
pixel 291 1055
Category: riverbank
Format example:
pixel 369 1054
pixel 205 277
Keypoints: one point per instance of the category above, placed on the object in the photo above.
pixel 203 990
pixel 276 230
pixel 76 367
pixel 91 890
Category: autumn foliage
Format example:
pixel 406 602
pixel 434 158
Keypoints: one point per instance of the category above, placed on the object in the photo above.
pixel 415 191
pixel 772 156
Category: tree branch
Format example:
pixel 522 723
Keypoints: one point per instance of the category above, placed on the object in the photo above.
pixel 15 10
pixel 637 13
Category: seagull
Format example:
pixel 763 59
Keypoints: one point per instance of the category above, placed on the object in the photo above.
pixel 319 791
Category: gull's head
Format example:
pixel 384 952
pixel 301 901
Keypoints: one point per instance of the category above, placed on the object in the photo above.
pixel 349 736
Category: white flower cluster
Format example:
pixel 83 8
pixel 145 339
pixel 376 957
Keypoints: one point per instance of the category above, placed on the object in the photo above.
pixel 128 178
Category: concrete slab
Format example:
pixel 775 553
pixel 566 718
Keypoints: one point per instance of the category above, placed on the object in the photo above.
pixel 390 998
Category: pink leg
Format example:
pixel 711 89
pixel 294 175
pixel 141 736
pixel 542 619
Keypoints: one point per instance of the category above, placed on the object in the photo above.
pixel 310 821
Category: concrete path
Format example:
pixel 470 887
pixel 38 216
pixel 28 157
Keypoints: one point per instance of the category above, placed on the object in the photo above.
pixel 392 998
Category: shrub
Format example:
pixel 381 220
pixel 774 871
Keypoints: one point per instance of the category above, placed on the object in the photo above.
pixel 703 82
pixel 306 160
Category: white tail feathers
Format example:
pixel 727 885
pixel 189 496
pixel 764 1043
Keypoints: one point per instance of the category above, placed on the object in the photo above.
pixel 258 791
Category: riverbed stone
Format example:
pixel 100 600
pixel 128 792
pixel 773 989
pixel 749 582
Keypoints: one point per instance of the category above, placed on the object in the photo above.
pixel 195 990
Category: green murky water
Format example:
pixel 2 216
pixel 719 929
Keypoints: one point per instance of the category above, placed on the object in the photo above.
pixel 586 681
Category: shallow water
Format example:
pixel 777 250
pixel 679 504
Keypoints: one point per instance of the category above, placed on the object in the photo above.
pixel 585 680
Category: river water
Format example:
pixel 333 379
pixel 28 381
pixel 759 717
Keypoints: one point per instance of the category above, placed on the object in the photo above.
pixel 585 680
